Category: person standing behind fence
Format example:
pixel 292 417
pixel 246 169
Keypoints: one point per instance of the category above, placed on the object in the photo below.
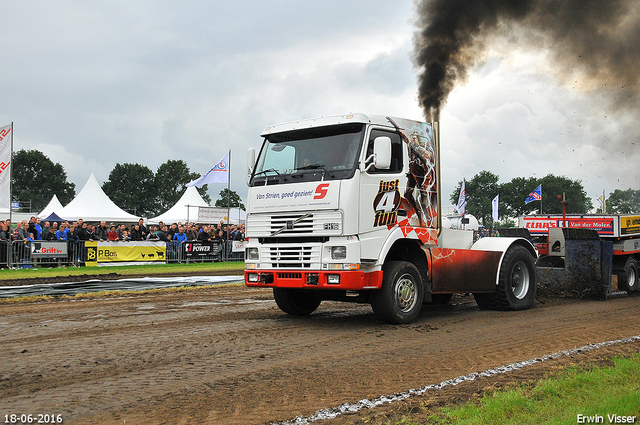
pixel 38 226
pixel 173 229
pixel 45 230
pixel 102 231
pixel 162 234
pixel 5 233
pixel 91 232
pixel 180 237
pixel 204 235
pixel 120 232
pixel 153 234
pixel 72 242
pixel 81 232
pixel 143 229
pixel 32 226
pixel 136 233
pixel 191 233
pixel 23 231
pixel 61 233
pixel 112 236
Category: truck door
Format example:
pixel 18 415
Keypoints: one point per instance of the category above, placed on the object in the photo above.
pixel 380 195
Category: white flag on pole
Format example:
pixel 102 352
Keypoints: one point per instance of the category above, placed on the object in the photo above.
pixel 494 208
pixel 5 167
pixel 218 174
pixel 462 200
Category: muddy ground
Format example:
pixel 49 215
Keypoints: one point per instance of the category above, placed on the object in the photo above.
pixel 110 276
pixel 230 356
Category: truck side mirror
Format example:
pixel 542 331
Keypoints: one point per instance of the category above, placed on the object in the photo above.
pixel 251 162
pixel 382 152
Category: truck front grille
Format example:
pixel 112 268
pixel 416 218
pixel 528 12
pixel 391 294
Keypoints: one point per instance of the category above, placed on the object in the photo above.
pixel 316 224
pixel 290 256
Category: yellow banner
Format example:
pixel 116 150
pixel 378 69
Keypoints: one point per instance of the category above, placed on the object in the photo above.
pixel 120 252
pixel 629 224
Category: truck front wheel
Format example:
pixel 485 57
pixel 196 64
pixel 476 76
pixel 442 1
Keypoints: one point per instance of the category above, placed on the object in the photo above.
pixel 628 278
pixel 400 298
pixel 516 289
pixel 298 302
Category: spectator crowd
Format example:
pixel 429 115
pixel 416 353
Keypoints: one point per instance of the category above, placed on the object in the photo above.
pixel 79 230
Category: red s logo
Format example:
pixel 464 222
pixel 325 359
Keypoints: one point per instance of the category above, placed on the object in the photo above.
pixel 321 191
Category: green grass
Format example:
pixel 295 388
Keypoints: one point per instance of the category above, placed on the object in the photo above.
pixel 558 400
pixel 150 270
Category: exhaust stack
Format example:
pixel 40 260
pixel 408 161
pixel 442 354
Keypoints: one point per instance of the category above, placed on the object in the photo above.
pixel 436 134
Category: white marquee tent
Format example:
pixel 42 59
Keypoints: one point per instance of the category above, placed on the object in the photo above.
pixel 186 209
pixel 237 215
pixel 54 206
pixel 92 204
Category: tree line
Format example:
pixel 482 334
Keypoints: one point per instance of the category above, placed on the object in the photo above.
pixel 137 189
pixel 485 185
pixel 133 187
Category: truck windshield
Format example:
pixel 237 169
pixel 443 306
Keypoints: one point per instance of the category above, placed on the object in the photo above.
pixel 323 153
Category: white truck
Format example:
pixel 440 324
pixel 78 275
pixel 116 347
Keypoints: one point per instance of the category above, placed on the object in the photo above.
pixel 348 208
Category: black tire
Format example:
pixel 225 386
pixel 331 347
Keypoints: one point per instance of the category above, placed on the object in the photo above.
pixel 516 289
pixel 400 298
pixel 628 278
pixel 298 302
pixel 485 301
pixel 440 299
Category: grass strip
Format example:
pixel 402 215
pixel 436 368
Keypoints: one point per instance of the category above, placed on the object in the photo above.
pixel 598 393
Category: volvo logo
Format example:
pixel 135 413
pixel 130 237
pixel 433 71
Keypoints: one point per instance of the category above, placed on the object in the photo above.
pixel 289 224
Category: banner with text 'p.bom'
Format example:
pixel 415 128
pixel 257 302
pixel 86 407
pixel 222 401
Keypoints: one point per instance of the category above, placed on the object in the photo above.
pixel 124 253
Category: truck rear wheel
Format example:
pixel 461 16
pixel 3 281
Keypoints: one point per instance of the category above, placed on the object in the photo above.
pixel 516 289
pixel 628 278
pixel 298 302
pixel 400 298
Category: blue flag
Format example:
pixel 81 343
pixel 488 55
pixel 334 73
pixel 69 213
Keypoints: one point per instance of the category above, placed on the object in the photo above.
pixel 536 195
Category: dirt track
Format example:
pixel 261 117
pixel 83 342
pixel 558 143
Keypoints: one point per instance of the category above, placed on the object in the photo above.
pixel 228 355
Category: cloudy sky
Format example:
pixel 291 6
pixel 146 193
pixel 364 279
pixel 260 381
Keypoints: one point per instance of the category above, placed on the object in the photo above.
pixel 92 84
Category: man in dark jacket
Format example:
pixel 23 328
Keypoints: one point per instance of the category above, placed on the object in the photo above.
pixel 102 231
pixel 136 233
pixel 143 228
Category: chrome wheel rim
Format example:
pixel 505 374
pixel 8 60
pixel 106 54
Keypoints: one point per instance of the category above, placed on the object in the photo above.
pixel 520 280
pixel 406 293
pixel 631 277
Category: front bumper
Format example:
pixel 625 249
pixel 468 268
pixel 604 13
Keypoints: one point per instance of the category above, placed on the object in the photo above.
pixel 353 280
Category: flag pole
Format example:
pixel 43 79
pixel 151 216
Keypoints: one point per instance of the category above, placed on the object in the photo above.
pixel 228 195
pixel 541 199
pixel 11 184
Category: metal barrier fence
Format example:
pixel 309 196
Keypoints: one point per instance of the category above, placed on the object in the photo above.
pixel 26 254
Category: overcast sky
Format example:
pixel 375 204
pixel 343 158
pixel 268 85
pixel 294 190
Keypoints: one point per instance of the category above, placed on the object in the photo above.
pixel 92 84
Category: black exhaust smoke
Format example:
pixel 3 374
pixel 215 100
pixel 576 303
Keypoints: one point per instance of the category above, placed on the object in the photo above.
pixel 594 40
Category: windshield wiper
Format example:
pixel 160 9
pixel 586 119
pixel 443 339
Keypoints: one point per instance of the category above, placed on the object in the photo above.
pixel 313 167
pixel 270 170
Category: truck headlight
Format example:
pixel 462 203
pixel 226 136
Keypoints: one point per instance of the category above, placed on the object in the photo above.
pixel 252 254
pixel 333 279
pixel 338 252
